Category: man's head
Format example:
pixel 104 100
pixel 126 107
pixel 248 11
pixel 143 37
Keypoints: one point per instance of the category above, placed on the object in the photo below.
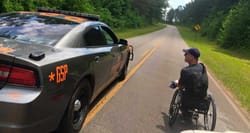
pixel 191 55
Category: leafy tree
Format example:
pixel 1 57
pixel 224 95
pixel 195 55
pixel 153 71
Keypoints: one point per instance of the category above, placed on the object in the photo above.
pixel 77 5
pixel 212 24
pixel 198 10
pixel 41 3
pixel 56 4
pixel 150 9
pixel 5 6
pixel 235 30
pixel 118 13
pixel 170 15
pixel 29 5
pixel 208 13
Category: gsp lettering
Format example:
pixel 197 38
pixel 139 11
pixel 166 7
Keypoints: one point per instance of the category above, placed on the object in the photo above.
pixel 61 73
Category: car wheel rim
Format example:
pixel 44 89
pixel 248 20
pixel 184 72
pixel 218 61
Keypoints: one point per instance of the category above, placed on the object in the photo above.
pixel 77 105
pixel 79 113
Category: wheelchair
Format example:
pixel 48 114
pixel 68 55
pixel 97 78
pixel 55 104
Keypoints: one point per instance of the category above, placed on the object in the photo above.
pixel 206 108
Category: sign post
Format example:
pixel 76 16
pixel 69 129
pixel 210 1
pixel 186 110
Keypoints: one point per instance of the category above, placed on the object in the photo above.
pixel 197 28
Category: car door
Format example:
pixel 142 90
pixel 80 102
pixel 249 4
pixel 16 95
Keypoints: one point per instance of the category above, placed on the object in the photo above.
pixel 116 49
pixel 102 60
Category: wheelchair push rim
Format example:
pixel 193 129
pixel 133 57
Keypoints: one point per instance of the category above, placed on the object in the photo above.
pixel 174 108
pixel 210 116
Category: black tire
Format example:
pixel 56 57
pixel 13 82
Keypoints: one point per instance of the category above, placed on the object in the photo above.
pixel 210 117
pixel 123 72
pixel 174 108
pixel 77 110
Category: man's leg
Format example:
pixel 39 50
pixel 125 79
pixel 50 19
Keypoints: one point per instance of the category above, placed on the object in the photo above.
pixel 185 107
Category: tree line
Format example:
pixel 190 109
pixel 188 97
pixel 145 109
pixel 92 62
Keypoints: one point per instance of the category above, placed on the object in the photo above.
pixel 227 21
pixel 117 13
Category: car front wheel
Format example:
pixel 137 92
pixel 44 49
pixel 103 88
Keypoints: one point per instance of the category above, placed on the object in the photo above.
pixel 123 72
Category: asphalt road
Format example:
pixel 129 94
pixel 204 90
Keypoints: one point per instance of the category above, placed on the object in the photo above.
pixel 141 103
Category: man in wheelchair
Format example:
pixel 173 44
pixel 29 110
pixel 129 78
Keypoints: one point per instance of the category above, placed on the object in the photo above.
pixel 195 81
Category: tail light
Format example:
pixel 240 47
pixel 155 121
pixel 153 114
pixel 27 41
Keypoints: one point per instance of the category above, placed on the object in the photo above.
pixel 17 75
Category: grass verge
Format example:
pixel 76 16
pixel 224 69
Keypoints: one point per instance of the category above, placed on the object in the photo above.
pixel 126 33
pixel 231 67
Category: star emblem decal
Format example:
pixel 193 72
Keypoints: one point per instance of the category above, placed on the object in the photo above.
pixel 51 77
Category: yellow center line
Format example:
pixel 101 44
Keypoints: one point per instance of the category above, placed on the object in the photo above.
pixel 146 52
pixel 116 88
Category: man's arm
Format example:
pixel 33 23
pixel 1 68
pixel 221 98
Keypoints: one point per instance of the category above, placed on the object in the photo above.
pixel 182 79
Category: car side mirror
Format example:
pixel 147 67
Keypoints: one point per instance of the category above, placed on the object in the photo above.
pixel 123 41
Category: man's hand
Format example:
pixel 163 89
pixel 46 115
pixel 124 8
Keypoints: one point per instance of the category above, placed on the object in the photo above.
pixel 173 84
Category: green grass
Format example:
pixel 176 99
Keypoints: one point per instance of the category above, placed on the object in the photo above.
pixel 121 33
pixel 231 67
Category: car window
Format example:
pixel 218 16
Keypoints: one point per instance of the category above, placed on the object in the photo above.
pixel 33 28
pixel 109 35
pixel 94 37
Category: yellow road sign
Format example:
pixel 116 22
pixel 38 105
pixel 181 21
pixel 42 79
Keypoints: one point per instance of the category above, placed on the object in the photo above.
pixel 197 27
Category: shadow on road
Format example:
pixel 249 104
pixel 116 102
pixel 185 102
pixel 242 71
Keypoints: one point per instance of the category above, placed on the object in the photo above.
pixel 103 94
pixel 178 125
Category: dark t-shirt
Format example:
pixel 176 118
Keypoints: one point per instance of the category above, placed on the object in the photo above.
pixel 194 79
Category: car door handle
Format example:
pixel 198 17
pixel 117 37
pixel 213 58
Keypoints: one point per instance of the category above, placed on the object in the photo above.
pixel 97 58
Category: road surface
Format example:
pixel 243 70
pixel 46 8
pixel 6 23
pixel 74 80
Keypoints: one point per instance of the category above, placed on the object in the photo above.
pixel 140 104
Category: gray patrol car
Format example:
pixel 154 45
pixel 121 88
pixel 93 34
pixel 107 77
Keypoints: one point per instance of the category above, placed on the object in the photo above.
pixel 53 64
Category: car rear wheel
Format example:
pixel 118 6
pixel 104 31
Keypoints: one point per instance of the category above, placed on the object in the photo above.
pixel 77 110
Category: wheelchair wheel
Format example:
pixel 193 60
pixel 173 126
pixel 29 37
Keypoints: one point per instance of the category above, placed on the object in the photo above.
pixel 210 116
pixel 174 108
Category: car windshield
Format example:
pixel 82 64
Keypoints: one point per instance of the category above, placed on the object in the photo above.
pixel 33 28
